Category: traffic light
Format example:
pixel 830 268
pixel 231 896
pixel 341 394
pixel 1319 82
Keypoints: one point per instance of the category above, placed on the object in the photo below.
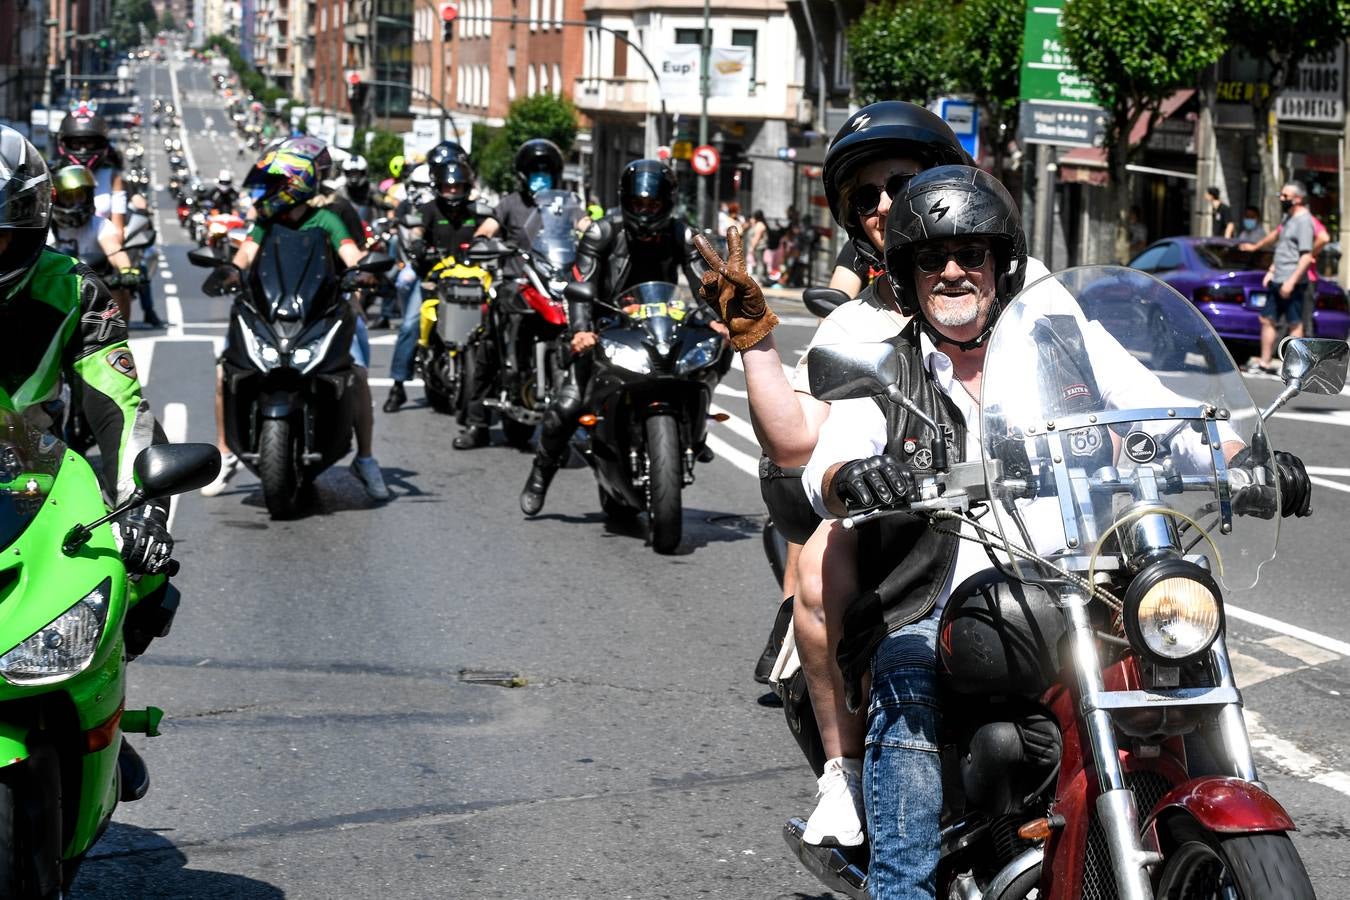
pixel 448 13
pixel 356 91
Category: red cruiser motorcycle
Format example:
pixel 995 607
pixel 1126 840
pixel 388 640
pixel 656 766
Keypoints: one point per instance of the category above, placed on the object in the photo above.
pixel 1093 736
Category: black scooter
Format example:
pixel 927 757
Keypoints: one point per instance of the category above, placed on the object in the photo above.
pixel 287 366
pixel 656 363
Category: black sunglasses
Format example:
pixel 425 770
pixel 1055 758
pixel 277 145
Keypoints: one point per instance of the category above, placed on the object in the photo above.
pixel 867 197
pixel 930 262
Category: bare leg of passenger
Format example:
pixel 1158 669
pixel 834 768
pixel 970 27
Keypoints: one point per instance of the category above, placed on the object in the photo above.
pixel 826 581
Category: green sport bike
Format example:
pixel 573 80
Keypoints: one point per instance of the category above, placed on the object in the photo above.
pixel 70 618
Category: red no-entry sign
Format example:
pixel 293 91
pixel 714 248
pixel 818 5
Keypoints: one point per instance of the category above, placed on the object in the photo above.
pixel 705 160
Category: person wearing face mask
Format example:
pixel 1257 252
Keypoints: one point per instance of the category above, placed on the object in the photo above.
pixel 1295 256
pixel 539 165
pixel 1252 230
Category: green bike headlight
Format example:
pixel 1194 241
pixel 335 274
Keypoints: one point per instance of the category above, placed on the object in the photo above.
pixel 65 646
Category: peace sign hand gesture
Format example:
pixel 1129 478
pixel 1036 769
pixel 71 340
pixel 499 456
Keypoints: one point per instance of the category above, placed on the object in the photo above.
pixel 728 287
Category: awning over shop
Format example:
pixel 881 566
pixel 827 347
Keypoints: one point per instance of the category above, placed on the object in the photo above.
pixel 1087 165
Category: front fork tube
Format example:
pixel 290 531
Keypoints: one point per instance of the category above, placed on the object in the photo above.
pixel 1231 727
pixel 1116 808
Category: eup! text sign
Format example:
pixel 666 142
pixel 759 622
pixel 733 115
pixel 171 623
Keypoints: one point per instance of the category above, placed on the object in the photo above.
pixel 1047 73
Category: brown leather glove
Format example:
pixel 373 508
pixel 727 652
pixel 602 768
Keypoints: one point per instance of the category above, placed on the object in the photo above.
pixel 737 296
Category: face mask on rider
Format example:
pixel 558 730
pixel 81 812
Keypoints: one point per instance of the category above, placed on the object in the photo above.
pixel 1286 205
pixel 540 181
pixel 1248 224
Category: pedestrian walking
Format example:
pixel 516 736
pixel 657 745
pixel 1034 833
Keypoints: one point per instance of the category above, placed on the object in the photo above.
pixel 1288 274
pixel 1220 215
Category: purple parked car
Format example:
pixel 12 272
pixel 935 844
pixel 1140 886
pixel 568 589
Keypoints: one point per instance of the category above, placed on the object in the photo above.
pixel 1225 285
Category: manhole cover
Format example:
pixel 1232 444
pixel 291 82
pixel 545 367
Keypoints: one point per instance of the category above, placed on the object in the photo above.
pixel 499 677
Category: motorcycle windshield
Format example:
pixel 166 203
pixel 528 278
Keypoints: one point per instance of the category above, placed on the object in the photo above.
pixel 559 212
pixel 653 299
pixel 29 461
pixel 294 272
pixel 1110 412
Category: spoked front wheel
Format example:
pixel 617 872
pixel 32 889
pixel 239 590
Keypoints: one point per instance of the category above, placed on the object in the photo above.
pixel 1203 865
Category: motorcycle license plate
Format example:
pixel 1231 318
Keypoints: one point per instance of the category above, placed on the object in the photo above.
pixel 1257 300
pixel 675 310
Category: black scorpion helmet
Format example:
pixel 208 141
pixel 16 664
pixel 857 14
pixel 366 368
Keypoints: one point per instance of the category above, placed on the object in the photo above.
pixel 950 202
pixel 646 180
pixel 538 155
pixel 25 207
pixel 453 181
pixel 447 151
pixel 83 140
pixel 885 130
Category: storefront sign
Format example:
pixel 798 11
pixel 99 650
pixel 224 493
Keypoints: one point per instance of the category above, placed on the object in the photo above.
pixel 1316 90
pixel 1070 125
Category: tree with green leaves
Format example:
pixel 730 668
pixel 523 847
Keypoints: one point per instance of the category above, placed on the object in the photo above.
pixel 898 50
pixel 1281 34
pixel 984 60
pixel 537 116
pixel 126 18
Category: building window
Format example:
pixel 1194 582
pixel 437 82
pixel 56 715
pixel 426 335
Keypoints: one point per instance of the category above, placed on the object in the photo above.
pixel 511 87
pixel 487 87
pixel 530 84
pixel 557 79
pixel 534 15
pixel 748 37
pixel 545 14
pixel 688 35
pixel 543 78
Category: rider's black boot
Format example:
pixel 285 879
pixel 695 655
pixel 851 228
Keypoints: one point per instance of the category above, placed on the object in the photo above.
pixel 397 397
pixel 135 777
pixel 536 487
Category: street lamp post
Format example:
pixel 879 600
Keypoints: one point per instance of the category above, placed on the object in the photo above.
pixel 705 40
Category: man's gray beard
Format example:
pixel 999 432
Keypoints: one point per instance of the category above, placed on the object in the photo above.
pixel 956 317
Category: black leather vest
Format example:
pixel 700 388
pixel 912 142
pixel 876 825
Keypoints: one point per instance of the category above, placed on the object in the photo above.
pixel 902 563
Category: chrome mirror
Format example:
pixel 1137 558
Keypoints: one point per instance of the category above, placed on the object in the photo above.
pixel 1316 365
pixel 848 371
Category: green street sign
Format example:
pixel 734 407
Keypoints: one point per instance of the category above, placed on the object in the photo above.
pixel 1047 73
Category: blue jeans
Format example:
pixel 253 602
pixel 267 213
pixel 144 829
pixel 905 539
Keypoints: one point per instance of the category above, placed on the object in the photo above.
pixel 902 772
pixel 405 347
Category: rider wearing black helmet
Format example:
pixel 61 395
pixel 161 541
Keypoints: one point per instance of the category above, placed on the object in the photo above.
pixel 872 157
pixel 447 229
pixel 538 167
pixel 642 242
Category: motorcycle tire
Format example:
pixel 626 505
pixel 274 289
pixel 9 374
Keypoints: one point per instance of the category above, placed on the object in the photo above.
pixel 279 469
pixel 518 434
pixel 665 483
pixel 442 380
pixel 1200 862
pixel 615 510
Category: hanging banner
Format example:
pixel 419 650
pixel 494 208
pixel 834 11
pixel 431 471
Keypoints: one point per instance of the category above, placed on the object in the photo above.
pixel 730 71
pixel 679 71
pixel 1316 90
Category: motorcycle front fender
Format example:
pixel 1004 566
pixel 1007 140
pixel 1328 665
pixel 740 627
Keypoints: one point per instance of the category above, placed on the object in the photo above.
pixel 1222 805
pixel 13 744
pixel 279 405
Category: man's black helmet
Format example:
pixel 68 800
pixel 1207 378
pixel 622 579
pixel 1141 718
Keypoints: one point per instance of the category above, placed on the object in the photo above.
pixel 25 207
pixel 885 130
pixel 453 182
pixel 642 182
pixel 950 202
pixel 538 155
pixel 447 151
pixel 83 140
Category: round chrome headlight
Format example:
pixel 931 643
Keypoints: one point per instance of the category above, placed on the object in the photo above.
pixel 1173 611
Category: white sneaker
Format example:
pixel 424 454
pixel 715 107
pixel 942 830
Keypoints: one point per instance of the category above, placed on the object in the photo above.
pixel 838 817
pixel 229 464
pixel 367 471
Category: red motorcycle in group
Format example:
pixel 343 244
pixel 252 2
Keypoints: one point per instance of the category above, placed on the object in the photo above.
pixel 224 233
pixel 1093 735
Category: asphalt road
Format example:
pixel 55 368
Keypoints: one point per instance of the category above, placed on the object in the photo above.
pixel 329 732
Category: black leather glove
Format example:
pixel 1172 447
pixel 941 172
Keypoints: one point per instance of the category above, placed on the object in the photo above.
pixel 222 280
pixel 146 542
pixel 873 483
pixel 1295 488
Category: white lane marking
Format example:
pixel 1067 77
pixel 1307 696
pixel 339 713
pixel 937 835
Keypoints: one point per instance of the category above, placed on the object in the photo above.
pixel 730 391
pixel 1327 483
pixel 389 382
pixel 166 274
pixel 1328 470
pixel 1340 648
pixel 173 309
pixel 737 426
pixel 1248 670
pixel 178 104
pixel 175 429
pixel 170 289
pixel 1289 757
pixel 1300 650
pixel 746 463
pixel 143 351
pixel 1331 417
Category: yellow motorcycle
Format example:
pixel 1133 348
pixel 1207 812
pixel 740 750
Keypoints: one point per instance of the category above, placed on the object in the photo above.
pixel 455 297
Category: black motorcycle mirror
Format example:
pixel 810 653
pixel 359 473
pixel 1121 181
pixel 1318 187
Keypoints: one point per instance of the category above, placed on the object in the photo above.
pixel 375 262
pixel 821 301
pixel 850 371
pixel 161 471
pixel 204 258
pixel 1311 366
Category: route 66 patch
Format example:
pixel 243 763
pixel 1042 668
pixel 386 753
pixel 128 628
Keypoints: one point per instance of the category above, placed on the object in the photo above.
pixel 121 360
pixel 1085 442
